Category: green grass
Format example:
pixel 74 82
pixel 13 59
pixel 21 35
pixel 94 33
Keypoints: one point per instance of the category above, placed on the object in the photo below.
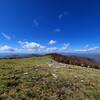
pixel 32 79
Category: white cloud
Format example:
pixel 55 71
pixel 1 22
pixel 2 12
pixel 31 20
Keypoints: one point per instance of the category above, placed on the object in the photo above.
pixel 5 36
pixel 37 48
pixel 33 47
pixel 7 48
pixel 29 45
pixel 35 22
pixel 51 42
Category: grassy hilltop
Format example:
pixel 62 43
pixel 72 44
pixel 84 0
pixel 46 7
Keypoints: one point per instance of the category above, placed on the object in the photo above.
pixel 41 78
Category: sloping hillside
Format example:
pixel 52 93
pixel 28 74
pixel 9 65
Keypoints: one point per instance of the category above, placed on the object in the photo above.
pixel 75 60
pixel 39 78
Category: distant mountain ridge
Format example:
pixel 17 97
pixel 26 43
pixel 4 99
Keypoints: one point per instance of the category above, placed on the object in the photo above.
pixel 95 56
pixel 17 55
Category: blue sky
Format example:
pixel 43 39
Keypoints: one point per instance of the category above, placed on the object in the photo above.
pixel 49 25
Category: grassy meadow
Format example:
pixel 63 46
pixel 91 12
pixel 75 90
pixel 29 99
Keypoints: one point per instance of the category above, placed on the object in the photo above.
pixel 34 79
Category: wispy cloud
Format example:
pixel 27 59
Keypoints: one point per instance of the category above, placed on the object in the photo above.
pixel 35 22
pixel 86 48
pixel 6 36
pixel 51 50
pixel 57 30
pixel 61 15
pixel 65 46
pixel 51 42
